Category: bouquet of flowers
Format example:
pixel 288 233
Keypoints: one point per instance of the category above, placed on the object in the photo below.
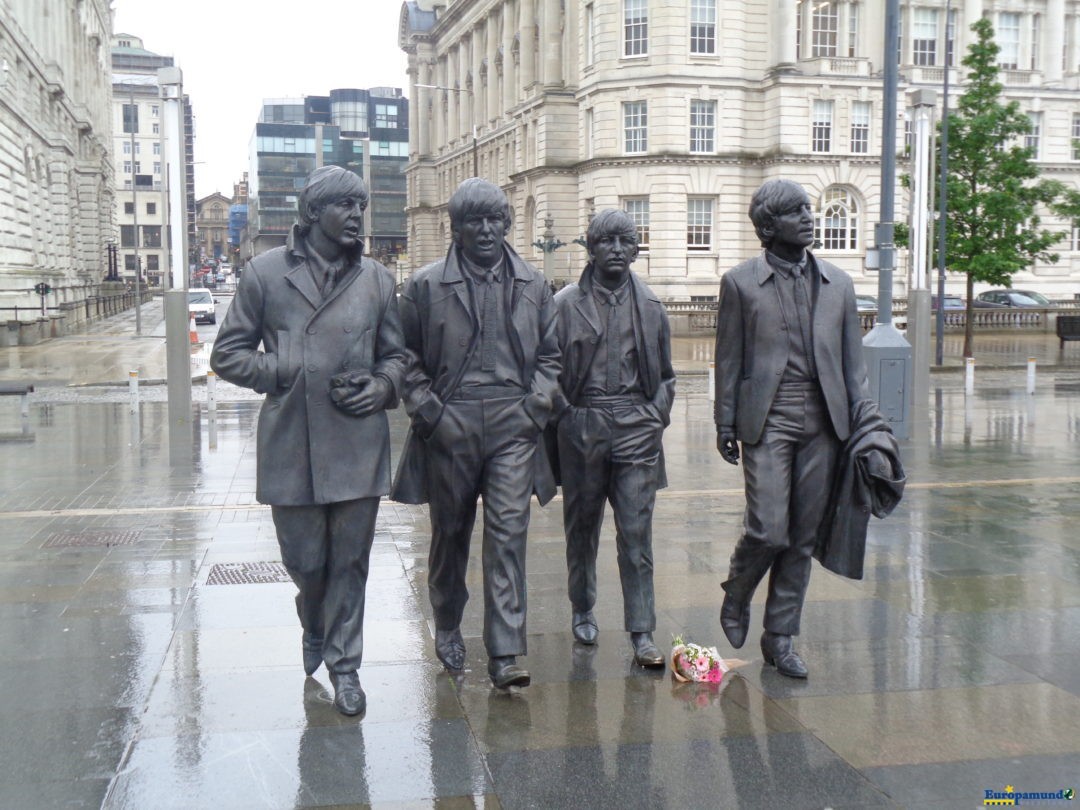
pixel 696 664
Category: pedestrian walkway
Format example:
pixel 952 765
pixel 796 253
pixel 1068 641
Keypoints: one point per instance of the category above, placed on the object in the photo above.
pixel 150 651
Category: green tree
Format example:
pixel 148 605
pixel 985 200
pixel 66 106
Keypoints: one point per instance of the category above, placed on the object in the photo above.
pixel 994 189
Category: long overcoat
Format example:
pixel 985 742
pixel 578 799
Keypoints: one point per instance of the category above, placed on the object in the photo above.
pixel 579 329
pixel 441 331
pixel 308 450
pixel 752 347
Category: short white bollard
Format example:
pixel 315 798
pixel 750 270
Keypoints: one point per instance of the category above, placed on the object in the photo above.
pixel 211 391
pixel 133 390
pixel 1031 376
pixel 969 375
pixel 712 381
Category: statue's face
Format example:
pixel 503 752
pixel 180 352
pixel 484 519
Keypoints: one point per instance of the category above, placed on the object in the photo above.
pixel 481 236
pixel 612 254
pixel 794 226
pixel 341 221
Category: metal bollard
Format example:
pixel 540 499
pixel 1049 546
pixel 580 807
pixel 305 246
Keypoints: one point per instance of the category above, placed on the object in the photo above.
pixel 1031 375
pixel 969 375
pixel 712 381
pixel 133 390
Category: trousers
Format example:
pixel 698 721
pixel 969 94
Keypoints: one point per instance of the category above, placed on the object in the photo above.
pixel 481 448
pixel 611 453
pixel 788 478
pixel 325 548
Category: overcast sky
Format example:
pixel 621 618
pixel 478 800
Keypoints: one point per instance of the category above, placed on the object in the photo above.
pixel 235 53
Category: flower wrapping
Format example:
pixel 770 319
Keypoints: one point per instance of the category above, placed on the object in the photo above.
pixel 693 663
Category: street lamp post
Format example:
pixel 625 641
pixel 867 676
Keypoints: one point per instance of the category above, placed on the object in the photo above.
pixel 549 244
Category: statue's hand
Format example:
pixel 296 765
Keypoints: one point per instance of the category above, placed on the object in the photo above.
pixel 727 445
pixel 360 394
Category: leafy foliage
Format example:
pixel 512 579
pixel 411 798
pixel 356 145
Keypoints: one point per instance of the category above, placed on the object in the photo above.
pixel 993 228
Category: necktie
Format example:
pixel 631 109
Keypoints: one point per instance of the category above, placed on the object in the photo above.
pixel 329 279
pixel 802 309
pixel 612 337
pixel 487 327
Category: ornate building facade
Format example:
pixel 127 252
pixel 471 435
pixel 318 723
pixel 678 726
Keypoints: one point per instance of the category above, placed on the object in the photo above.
pixel 678 111
pixel 56 172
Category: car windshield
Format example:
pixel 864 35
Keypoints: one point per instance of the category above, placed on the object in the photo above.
pixel 199 297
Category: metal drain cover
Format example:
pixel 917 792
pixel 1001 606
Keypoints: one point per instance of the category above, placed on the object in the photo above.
pixel 252 573
pixel 92 537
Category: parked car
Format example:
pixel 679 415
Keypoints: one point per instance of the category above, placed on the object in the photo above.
pixel 202 304
pixel 866 303
pixel 1013 298
pixel 951 302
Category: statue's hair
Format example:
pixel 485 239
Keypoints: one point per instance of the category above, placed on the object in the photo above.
pixel 475 196
pixel 611 221
pixel 324 186
pixel 769 201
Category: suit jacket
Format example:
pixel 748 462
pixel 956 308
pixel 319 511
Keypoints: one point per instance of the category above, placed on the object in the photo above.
pixel 579 328
pixel 752 347
pixel 869 480
pixel 309 451
pixel 441 331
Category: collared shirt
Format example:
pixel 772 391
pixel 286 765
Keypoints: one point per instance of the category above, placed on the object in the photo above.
pixel 507 370
pixel 800 365
pixel 596 379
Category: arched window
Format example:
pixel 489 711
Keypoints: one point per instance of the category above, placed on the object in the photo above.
pixel 836 225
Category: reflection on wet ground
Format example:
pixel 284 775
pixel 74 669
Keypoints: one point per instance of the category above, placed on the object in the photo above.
pixel 129 681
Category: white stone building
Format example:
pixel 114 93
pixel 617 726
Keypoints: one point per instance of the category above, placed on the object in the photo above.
pixel 56 172
pixel 678 110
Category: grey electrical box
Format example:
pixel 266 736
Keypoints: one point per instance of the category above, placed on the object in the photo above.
pixel 888 369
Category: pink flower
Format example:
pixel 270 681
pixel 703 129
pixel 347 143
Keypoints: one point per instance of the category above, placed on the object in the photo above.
pixel 715 674
pixel 702 663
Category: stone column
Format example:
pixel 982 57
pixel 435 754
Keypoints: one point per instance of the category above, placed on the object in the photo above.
pixel 509 25
pixel 551 42
pixel 440 105
pixel 425 114
pixel 492 38
pixel 415 102
pixel 528 45
pixel 783 34
pixel 1053 30
pixel 453 100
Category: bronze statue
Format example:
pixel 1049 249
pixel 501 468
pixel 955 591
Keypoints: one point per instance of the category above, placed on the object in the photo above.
pixel 789 370
pixel 331 363
pixel 617 385
pixel 483 370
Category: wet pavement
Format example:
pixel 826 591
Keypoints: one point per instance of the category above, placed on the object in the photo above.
pixel 150 654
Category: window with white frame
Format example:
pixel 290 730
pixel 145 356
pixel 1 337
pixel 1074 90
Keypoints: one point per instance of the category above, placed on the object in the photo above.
pixel 635 127
pixel 853 28
pixel 826 27
pixel 1036 32
pixel 127 147
pixel 699 223
pixel 1076 136
pixel 127 167
pixel 157 167
pixel 1008 40
pixel 836 226
pixel 950 38
pixel 635 27
pixel 702 127
pixel 157 148
pixel 1074 236
pixel 860 127
pixel 638 209
pixel 703 26
pixel 821 126
pixel 1033 139
pixel 590 33
pixel 924 36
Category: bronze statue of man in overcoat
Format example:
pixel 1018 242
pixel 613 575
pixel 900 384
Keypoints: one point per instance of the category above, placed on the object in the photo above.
pixel 789 369
pixel 314 326
pixel 616 389
pixel 483 370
